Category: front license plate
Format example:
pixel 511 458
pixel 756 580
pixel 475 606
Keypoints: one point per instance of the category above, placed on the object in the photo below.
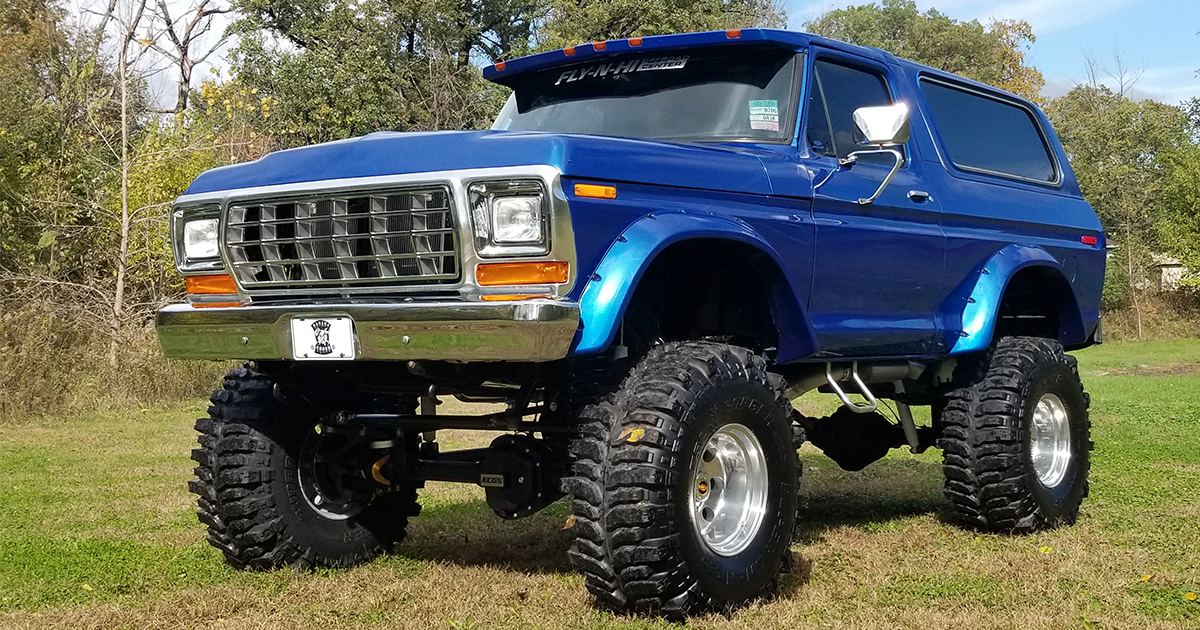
pixel 323 338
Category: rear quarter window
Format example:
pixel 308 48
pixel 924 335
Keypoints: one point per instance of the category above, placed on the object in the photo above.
pixel 981 133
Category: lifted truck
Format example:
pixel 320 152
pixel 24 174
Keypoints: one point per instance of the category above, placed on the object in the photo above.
pixel 659 244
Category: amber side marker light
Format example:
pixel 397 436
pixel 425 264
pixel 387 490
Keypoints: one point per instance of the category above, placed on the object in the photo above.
pixel 596 192
pixel 210 285
pixel 734 33
pixel 535 272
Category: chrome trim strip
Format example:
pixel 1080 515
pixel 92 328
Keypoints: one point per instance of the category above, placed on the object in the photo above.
pixel 365 183
pixel 529 330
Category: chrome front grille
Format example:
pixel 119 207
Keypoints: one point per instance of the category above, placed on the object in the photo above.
pixel 389 238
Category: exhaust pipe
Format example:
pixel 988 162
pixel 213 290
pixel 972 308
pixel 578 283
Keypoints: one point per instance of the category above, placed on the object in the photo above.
pixel 817 375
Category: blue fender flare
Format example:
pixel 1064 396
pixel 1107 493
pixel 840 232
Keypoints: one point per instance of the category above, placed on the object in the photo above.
pixel 977 322
pixel 611 286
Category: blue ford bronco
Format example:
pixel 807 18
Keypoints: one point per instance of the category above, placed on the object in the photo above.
pixel 659 244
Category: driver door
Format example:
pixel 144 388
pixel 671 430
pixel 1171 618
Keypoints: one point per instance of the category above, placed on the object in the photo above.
pixel 879 266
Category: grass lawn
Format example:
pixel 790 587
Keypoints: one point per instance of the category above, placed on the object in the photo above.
pixel 97 530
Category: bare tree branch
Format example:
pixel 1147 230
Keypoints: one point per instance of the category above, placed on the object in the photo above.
pixel 184 33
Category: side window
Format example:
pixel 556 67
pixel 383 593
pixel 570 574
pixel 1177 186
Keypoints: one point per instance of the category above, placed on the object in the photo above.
pixel 836 92
pixel 988 134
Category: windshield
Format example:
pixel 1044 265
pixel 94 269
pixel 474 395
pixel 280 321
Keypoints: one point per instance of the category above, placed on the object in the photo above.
pixel 741 93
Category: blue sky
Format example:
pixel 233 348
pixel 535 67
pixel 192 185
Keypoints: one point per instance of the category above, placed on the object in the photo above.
pixel 1157 38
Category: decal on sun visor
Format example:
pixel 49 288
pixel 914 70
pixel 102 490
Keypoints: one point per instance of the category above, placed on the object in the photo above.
pixel 615 69
pixel 764 115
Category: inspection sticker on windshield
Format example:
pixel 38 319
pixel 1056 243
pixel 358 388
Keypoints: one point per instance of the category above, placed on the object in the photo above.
pixel 764 115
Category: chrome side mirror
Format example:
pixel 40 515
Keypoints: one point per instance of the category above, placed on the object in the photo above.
pixel 883 128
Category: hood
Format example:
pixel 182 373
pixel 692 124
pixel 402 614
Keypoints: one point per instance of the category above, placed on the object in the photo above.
pixel 711 167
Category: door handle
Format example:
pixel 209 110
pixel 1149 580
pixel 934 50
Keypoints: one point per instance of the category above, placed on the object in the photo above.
pixel 918 195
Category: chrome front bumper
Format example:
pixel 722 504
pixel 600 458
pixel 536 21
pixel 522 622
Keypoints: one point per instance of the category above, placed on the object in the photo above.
pixel 531 330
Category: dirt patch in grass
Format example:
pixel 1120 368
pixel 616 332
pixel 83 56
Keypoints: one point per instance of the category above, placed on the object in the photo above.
pixel 1162 369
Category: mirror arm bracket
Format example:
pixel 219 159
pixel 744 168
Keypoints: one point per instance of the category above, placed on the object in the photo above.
pixel 853 157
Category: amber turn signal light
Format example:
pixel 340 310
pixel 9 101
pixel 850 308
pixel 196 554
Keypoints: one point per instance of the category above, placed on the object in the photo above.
pixel 595 192
pixel 210 285
pixel 510 273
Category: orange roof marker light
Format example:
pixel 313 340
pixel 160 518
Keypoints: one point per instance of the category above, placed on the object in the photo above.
pixel 734 33
pixel 532 272
pixel 210 285
pixel 500 66
pixel 569 51
pixel 595 191
pixel 634 42
pixel 599 46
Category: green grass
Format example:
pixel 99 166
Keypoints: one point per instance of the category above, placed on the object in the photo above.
pixel 97 529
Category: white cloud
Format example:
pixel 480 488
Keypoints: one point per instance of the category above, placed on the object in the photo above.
pixel 1057 86
pixel 1169 84
pixel 1045 16
pixel 1166 84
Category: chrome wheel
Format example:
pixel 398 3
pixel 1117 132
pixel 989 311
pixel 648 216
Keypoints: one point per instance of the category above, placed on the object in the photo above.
pixel 1050 440
pixel 729 490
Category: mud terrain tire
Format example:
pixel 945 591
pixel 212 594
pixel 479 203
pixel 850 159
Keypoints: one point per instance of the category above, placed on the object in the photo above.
pixel 638 539
pixel 248 487
pixel 989 440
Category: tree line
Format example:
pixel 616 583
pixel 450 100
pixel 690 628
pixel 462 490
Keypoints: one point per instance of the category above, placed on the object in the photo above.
pixel 90 161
